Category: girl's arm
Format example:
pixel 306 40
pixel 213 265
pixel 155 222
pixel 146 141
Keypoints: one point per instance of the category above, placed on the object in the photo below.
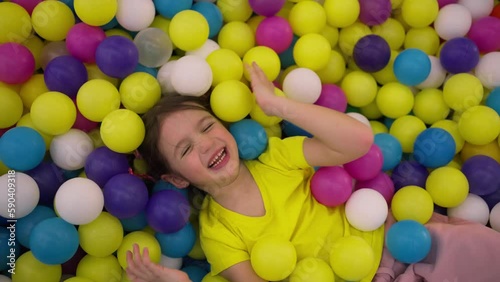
pixel 241 272
pixel 338 138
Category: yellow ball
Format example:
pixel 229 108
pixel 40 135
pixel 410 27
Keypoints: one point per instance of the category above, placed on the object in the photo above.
pixel 197 252
pixel 341 13
pixel 266 58
pixel 462 91
pixel 491 150
pixel 412 202
pixel 102 236
pixel 360 88
pixel 26 120
pixel 122 131
pixel 95 135
pixel 97 98
pixel 15 23
pixel 236 36
pixel 371 111
pixel 331 34
pixel 350 35
pixel 53 113
pixel 225 65
pixel 273 258
pixel 334 70
pixel 479 125
pixel 119 32
pixel 396 3
pixel 285 10
pixel 386 75
pixel 11 107
pixel 78 279
pixel 406 129
pixel 139 92
pixel 96 12
pixel 452 128
pixel 235 10
pixel 392 31
pixel 447 186
pixel 312 269
pixel 161 23
pixel 423 38
pixel 210 278
pixel 99 269
pixel 351 258
pixel 395 100
pixel 27 267
pixel 262 118
pixel 35 45
pixel 231 100
pixel 95 73
pixel 429 106
pixel 254 22
pixel 312 51
pixel 3 168
pixel 52 20
pixel 419 13
pixel 378 127
pixel 144 240
pixel 188 30
pixel 31 89
pixel 307 17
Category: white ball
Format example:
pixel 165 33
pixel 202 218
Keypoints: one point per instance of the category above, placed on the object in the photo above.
pixel 135 15
pixel 360 118
pixel 495 217
pixel 191 76
pixel 168 262
pixel 5 279
pixel 474 208
pixel 302 84
pixel 206 49
pixel 164 77
pixel 366 209
pixel 154 46
pixel 19 195
pixel 453 20
pixel 70 150
pixel 478 9
pixel 436 76
pixel 487 70
pixel 79 201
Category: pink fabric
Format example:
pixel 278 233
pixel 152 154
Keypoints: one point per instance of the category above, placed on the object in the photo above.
pixel 461 251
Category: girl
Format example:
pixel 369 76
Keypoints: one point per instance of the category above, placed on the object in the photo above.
pixel 247 200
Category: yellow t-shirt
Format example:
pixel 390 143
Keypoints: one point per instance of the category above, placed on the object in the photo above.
pixel 282 175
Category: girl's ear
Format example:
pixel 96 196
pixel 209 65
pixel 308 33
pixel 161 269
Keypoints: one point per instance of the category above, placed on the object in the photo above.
pixel 176 180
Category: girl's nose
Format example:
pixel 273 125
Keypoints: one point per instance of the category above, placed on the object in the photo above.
pixel 205 143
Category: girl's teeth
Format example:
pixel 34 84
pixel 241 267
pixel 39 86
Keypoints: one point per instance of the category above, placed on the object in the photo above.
pixel 220 156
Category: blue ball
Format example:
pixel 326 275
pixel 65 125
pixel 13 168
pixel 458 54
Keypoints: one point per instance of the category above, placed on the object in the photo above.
pixel 164 185
pixel 195 273
pixel 388 122
pixel 493 100
pixel 169 8
pixel 459 55
pixel 286 57
pixel 26 224
pixel 151 71
pixel 408 241
pixel 434 147
pixel 391 148
pixel 22 148
pixel 213 16
pixel 251 138
pixel 371 53
pixel 54 241
pixel 135 223
pixel 412 66
pixel 5 246
pixel 290 129
pixel 111 24
pixel 177 244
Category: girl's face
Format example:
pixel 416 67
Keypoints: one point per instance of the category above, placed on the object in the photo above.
pixel 199 149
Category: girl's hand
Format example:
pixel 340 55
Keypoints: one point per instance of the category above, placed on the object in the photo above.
pixel 263 89
pixel 141 269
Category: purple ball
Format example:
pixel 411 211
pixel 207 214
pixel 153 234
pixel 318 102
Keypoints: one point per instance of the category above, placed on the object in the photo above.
pixel 102 164
pixel 332 97
pixel 125 195
pixel 443 3
pixel 168 211
pixel 266 8
pixel 374 12
pixel 65 74
pixel 274 32
pixel 371 53
pixel 482 173
pixel 381 183
pixel 493 198
pixel 331 186
pixel 49 178
pixel 409 173
pixel 368 166
pixel 485 32
pixel 459 55
pixel 117 56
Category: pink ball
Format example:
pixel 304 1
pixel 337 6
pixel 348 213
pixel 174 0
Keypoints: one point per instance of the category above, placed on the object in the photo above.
pixel 83 123
pixel 17 64
pixel 28 5
pixel 332 97
pixel 331 186
pixel 265 7
pixel 443 3
pixel 381 183
pixel 367 166
pixel 374 12
pixel 485 32
pixel 274 32
pixel 82 41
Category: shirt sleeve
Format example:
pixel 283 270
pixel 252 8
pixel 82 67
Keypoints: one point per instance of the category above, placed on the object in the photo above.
pixel 287 153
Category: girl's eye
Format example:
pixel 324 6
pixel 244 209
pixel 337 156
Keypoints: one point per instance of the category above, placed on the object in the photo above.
pixel 208 127
pixel 186 150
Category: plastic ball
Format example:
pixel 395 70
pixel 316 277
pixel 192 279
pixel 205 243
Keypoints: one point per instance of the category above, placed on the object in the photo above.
pixel 28 266
pixel 125 195
pixel 481 172
pixel 25 225
pixel 53 113
pixel 154 46
pixel 453 20
pixel 235 10
pixel 462 91
pixel 167 211
pixel 95 12
pixel 206 49
pixel 70 150
pixel 371 53
pixel 452 128
pixel 117 56
pixel 434 147
pixel 188 30
pixel 381 183
pixel 391 148
pixel 360 88
pixel 135 15
pixel 374 13
pixel 312 269
pixel 332 97
pixel 459 55
pixel 191 76
pixel 22 148
pixel 26 121
pixel 306 58
pixel 275 33
pixel 52 20
pixel 473 208
pixel 302 84
pixel 236 36
pixel 169 8
pixel 359 117
pixel 174 263
pixel 213 16
pixel 251 138
pixel 367 166
pixel 412 202
pixel 273 258
pixel 348 36
pixel 12 106
pixel 493 100
pixel 122 131
pixel 307 17
pixel 392 31
pixel 102 164
pixel 408 241
pixel 406 129
pixel 54 241
pixel 395 100
pixel 479 125
pixel 430 106
pixel 478 11
pixel 341 13
pixel 52 50
pixel 231 100
pixel 331 186
pixel 82 41
pixel 419 13
pixel 447 186
pixel 95 73
pixel 486 70
pixel 139 92
pixel 366 209
pixel 266 8
pixel 144 240
pixel 408 173
pixel 26 198
pixel 65 74
pixel 99 268
pixel 15 23
pixel 351 258
pixel 386 75
pixel 48 177
pixel 412 66
pixel 97 98
pixel 495 217
pixel 425 39
pixel 225 65
pixel 266 58
pixel 177 244
pixel 18 63
pixel 102 236
pixel 135 223
pixel 491 150
pixel 484 32
pixel 195 273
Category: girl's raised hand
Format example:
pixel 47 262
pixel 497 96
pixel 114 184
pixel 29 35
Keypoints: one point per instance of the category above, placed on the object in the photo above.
pixel 142 269
pixel 263 90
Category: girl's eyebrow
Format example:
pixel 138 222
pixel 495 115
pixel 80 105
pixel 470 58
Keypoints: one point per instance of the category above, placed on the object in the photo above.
pixel 199 124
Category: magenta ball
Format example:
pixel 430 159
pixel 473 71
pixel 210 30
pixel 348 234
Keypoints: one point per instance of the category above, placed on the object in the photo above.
pixel 82 41
pixel 265 7
pixel 332 97
pixel 331 186
pixel 28 5
pixel 374 12
pixel 443 3
pixel 275 33
pixel 381 183
pixel 368 166
pixel 485 32
pixel 17 64
pixel 83 123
